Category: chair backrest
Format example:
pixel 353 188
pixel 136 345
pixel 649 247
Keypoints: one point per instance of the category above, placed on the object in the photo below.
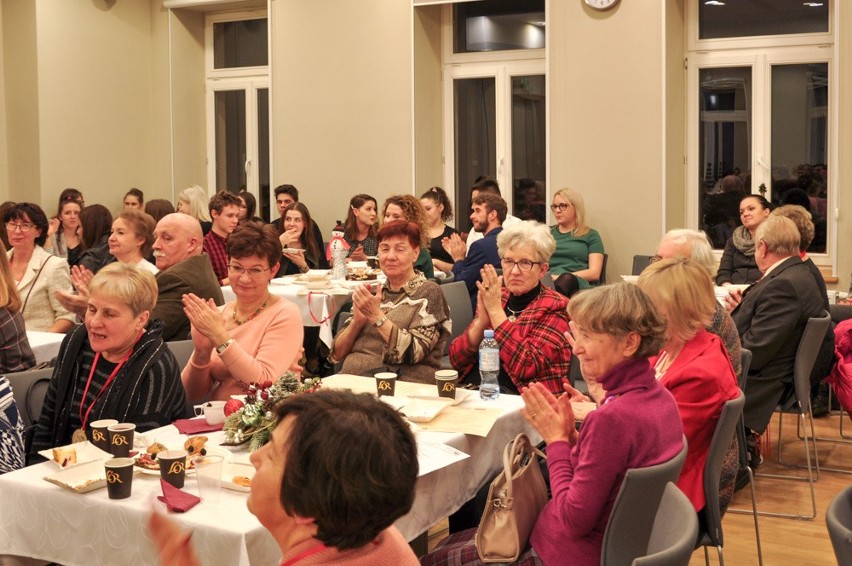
pixel 640 262
pixel 674 532
pixel 461 311
pixel 629 528
pixel 182 349
pixel 547 281
pixel 726 427
pixel 602 278
pixel 741 438
pixel 29 388
pixel 806 356
pixel 838 517
pixel 745 356
pixel 448 279
pixel 839 313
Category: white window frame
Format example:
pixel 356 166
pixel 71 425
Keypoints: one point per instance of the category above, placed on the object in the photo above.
pixel 761 54
pixel 249 79
pixel 502 66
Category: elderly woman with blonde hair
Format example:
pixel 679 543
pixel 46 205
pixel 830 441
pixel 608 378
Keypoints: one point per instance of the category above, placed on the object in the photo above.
pixel 115 366
pixel 194 201
pixel 528 319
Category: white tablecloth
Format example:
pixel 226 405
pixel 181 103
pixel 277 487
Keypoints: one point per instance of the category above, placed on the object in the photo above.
pixel 318 311
pixel 45 345
pixel 41 520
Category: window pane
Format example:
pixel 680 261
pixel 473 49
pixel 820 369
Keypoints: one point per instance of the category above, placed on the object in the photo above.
pixel 494 25
pixel 475 140
pixel 800 141
pixel 240 44
pixel 739 18
pixel 230 140
pixel 528 147
pixel 263 151
pixel 724 148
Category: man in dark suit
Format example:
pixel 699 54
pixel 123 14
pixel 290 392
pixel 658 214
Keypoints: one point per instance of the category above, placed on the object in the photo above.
pixel 772 317
pixel 488 212
pixel 183 269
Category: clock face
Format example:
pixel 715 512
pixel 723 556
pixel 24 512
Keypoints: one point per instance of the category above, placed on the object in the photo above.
pixel 601 4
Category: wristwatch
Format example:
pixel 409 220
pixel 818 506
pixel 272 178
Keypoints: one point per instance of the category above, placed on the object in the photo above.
pixel 224 346
pixel 380 322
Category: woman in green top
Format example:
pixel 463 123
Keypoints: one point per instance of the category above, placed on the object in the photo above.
pixel 579 249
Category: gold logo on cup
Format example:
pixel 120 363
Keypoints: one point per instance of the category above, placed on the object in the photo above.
pixel 113 477
pixel 176 468
pixel 384 386
pixel 449 387
pixel 98 435
pixel 119 440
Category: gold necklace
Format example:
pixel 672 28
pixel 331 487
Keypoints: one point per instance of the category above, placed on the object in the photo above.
pixel 259 310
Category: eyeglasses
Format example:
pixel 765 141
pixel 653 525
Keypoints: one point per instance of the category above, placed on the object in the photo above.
pixel 24 227
pixel 560 207
pixel 523 265
pixel 253 272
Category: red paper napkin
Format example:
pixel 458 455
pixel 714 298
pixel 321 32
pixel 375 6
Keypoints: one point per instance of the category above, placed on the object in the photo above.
pixel 195 426
pixel 175 499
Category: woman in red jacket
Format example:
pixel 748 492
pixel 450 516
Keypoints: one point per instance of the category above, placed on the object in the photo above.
pixel 693 364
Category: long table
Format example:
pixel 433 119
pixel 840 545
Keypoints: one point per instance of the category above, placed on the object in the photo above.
pixel 43 521
pixel 45 345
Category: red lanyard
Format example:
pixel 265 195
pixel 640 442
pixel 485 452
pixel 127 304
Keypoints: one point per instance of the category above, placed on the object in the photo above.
pixel 85 419
pixel 305 554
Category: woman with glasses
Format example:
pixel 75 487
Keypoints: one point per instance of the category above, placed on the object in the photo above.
pixel 578 260
pixel 251 340
pixel 301 251
pixel 528 319
pixel 37 273
pixel 401 326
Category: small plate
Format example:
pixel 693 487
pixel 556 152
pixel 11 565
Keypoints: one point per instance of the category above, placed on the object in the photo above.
pixel 86 452
pixel 81 478
pixel 231 470
pixel 212 450
pixel 430 393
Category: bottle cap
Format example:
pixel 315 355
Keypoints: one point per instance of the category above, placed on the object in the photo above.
pixel 489 333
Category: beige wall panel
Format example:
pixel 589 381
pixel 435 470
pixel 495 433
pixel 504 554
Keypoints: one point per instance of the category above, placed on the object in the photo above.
pixel 21 96
pixel 428 106
pixel 606 116
pixel 95 117
pixel 188 84
pixel 160 185
pixel 675 144
pixel 342 122
pixel 4 158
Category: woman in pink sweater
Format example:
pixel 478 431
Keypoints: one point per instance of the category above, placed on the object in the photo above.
pixel 251 340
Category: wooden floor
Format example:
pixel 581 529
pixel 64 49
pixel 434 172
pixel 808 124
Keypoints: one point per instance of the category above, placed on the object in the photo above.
pixel 784 541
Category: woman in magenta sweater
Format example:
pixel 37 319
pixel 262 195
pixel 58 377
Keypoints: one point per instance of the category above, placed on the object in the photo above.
pixel 615 329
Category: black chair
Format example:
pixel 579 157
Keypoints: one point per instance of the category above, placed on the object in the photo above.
pixel 29 389
pixel 628 531
pixel 838 517
pixel 461 313
pixel 602 278
pixel 723 436
pixel 674 531
pixel 640 262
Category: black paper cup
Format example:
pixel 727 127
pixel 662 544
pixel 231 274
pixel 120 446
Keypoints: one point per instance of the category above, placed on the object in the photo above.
pixel 385 383
pixel 173 466
pixel 121 439
pixel 119 476
pixel 99 433
pixel 447 380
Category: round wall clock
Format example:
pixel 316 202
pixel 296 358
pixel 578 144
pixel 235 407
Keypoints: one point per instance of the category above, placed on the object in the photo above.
pixel 601 4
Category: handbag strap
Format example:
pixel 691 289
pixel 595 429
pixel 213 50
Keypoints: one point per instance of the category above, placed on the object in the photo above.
pixel 40 269
pixel 517 454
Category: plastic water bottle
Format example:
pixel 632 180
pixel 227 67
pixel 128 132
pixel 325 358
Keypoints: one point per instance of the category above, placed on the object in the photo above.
pixel 489 367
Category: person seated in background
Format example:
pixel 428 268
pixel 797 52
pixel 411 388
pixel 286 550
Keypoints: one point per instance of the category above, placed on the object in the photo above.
pixel 694 245
pixel 360 227
pixel 224 210
pixel 528 319
pixel 64 231
pixel 487 215
pixel 194 201
pixel 484 185
pixel 285 195
pixel 95 228
pixel 15 351
pixel 300 234
pixel 401 325
pixel 720 210
pixel 131 238
pixel 319 505
pixel 438 210
pixel 134 199
pixel 37 273
pixel 407 208
pixel 115 366
pixel 616 327
pixel 248 207
pixel 251 340
pixel 737 265
pixel 577 262
pixel 158 208
pixel 3 236
pixel 693 365
pixel 800 198
pixel 771 319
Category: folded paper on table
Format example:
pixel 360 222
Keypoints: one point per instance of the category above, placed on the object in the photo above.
pixel 422 410
pixel 433 456
pixel 467 420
